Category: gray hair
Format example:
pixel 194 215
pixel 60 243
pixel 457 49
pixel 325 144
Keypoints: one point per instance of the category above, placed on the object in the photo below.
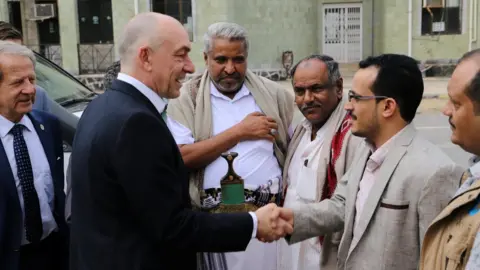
pixel 224 30
pixel 332 66
pixel 12 48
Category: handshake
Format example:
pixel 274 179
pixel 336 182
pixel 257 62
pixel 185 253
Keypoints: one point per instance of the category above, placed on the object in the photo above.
pixel 273 222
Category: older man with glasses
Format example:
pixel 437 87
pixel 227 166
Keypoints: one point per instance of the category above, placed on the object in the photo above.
pixel 399 181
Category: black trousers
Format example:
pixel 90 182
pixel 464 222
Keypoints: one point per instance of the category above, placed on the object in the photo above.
pixel 48 254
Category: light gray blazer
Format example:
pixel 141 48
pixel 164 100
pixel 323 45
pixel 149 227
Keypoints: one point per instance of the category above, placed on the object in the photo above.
pixel 414 184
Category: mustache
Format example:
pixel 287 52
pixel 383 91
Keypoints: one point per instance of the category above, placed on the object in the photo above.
pixel 450 122
pixel 310 106
pixel 235 76
pixel 349 112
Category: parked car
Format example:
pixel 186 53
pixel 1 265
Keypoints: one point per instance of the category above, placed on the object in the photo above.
pixel 70 98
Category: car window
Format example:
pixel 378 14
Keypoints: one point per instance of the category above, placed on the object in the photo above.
pixel 57 83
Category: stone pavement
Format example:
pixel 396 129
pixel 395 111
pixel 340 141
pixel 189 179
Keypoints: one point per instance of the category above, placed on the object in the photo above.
pixel 434 96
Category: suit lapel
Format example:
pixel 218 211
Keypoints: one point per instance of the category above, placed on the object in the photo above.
pixel 352 190
pixel 394 155
pixel 6 176
pixel 44 136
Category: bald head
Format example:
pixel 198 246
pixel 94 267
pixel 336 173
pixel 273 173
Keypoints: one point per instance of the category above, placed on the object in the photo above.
pixel 146 29
pixel 154 50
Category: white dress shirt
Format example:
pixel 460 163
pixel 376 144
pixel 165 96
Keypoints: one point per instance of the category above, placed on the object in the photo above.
pixel 302 189
pixel 160 104
pixel 42 177
pixel 256 162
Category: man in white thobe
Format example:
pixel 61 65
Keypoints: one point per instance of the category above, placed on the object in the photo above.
pixel 320 152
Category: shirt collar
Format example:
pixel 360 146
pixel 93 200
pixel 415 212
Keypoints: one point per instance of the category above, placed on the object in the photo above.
pixel 240 94
pixel 321 131
pixel 157 101
pixel 475 168
pixel 379 155
pixel 6 125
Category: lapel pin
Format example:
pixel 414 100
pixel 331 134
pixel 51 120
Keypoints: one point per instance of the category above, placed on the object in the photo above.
pixel 42 127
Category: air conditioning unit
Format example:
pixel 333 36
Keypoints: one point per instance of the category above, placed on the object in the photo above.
pixel 434 3
pixel 44 11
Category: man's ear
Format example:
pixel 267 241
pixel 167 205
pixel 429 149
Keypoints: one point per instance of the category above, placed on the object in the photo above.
pixel 145 58
pixel 339 85
pixel 389 107
pixel 205 57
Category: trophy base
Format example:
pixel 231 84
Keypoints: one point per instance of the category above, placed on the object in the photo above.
pixel 234 208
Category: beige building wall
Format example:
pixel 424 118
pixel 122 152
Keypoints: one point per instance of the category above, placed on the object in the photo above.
pixel 391 32
pixel 69 35
pixel 122 12
pixel 4 11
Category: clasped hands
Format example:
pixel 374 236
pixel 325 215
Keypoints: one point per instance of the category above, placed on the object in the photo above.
pixel 273 222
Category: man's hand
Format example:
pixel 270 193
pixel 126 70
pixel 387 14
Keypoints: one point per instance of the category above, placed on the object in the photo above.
pixel 271 226
pixel 287 215
pixel 256 126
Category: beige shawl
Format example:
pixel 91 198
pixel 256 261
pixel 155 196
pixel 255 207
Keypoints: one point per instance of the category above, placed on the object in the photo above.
pixel 328 258
pixel 193 110
pixel 341 165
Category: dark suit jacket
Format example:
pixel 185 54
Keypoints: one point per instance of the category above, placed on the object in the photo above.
pixel 130 202
pixel 11 220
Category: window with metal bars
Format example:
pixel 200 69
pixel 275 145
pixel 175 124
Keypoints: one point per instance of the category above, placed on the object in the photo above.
pixel 442 19
pixel 179 9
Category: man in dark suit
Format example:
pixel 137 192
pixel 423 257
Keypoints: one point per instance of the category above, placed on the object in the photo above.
pixel 33 232
pixel 130 201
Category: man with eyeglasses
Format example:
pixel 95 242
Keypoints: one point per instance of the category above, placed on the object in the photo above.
pixel 399 181
pixel 320 152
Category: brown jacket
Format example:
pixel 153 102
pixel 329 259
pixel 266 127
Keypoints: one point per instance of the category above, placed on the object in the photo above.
pixel 450 237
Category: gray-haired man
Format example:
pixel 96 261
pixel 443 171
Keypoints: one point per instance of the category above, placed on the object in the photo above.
pixel 230 109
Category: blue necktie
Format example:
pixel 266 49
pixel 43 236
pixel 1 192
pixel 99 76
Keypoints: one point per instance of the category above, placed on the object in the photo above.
pixel 33 219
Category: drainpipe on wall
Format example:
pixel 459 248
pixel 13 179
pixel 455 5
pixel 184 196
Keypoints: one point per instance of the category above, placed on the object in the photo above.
pixel 135 2
pixel 373 27
pixel 410 22
pixel 472 20
pixel 149 5
pixel 475 23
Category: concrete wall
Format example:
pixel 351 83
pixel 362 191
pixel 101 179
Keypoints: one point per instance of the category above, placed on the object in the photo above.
pixel 273 27
pixel 391 32
pixel 30 30
pixel 277 26
pixel 122 12
pixel 476 28
pixel 204 14
pixel 3 11
pixel 69 36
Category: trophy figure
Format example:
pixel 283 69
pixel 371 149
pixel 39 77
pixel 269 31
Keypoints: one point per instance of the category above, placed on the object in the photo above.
pixel 232 184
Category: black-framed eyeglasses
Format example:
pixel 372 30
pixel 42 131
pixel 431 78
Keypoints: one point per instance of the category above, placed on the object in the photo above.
pixel 357 97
